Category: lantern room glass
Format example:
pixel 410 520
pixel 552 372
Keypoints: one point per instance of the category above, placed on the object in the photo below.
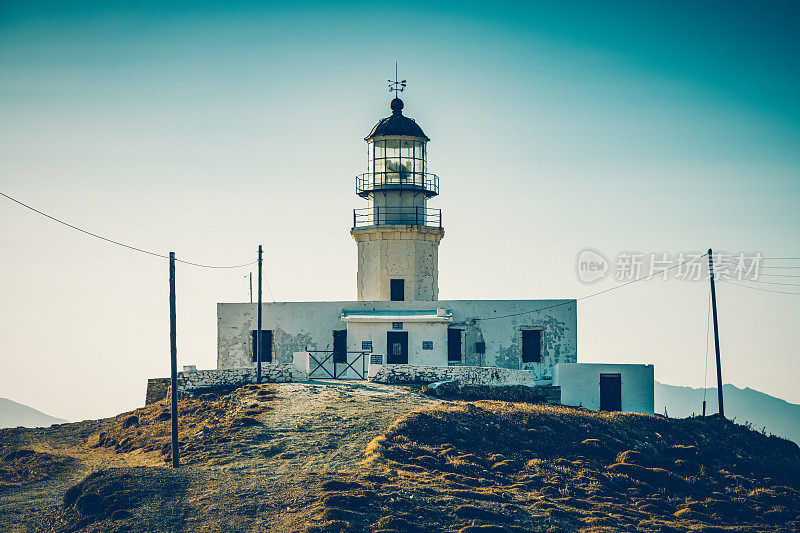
pixel 397 162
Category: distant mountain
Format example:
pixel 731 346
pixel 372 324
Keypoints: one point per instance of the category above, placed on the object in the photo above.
pixel 13 414
pixel 745 405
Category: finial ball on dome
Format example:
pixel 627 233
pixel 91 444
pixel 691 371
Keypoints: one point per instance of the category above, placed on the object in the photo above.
pixel 396 105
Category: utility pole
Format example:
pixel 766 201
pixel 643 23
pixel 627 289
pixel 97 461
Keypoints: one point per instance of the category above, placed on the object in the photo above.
pixel 173 360
pixel 251 287
pixel 258 331
pixel 716 332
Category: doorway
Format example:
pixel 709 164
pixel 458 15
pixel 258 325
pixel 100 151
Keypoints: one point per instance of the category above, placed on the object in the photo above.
pixel 340 346
pixel 610 392
pixel 397 347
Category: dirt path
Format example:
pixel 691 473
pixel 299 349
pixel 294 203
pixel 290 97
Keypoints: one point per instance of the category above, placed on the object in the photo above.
pixel 264 479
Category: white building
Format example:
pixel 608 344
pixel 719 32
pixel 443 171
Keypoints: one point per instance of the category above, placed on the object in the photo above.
pixel 398 319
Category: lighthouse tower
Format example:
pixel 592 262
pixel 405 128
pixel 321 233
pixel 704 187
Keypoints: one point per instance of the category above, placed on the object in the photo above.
pixel 397 233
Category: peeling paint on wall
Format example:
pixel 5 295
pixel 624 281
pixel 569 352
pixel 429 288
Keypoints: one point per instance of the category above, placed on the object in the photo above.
pixel 300 325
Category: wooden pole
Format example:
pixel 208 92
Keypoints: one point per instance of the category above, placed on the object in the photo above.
pixel 251 287
pixel 258 331
pixel 173 352
pixel 716 332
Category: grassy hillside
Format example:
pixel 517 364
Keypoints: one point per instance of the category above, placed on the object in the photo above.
pixel 350 457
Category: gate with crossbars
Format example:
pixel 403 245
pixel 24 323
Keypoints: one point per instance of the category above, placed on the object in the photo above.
pixel 333 364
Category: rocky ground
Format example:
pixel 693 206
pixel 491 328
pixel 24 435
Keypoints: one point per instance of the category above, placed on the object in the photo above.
pixel 356 456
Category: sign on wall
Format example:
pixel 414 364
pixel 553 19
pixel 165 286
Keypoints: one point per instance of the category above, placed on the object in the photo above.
pixel 427 345
pixel 397 325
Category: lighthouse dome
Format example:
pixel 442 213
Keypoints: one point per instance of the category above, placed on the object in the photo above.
pixel 397 125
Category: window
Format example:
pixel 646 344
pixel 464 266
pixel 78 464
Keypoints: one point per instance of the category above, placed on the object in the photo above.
pixel 340 346
pixel 531 346
pixel 427 345
pixel 397 290
pixel 454 345
pixel 480 347
pixel 397 162
pixel 366 346
pixel 266 345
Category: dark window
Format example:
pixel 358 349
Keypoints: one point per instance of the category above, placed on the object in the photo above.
pixel 531 346
pixel 340 346
pixel 266 345
pixel 366 345
pixel 480 347
pixel 397 290
pixel 454 345
pixel 610 392
pixel 427 345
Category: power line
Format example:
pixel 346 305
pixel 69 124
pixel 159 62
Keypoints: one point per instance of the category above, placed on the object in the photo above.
pixel 759 288
pixel 771 282
pixel 598 292
pixel 112 241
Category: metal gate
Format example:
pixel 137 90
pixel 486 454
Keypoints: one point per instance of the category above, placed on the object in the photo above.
pixel 323 364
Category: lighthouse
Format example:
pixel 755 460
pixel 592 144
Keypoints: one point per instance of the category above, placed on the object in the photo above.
pixel 397 233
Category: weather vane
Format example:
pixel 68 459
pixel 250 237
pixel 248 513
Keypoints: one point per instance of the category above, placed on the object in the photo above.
pixel 396 86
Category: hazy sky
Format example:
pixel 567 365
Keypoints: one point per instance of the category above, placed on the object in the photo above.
pixel 211 129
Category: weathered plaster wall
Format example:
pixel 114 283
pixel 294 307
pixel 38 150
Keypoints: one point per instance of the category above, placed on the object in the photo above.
pixel 471 375
pixel 580 385
pixel 410 253
pixel 300 325
pixel 417 332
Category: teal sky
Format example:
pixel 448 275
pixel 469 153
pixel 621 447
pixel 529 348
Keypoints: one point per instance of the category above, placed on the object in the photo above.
pixel 210 129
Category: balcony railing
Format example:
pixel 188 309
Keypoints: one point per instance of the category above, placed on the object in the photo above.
pixel 406 216
pixel 423 182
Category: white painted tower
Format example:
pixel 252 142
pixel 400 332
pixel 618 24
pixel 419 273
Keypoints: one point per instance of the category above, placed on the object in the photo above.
pixel 397 233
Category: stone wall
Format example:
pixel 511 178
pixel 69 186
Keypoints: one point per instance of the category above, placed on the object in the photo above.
pixel 469 375
pixel 453 390
pixel 210 379
pixel 157 389
pixel 199 380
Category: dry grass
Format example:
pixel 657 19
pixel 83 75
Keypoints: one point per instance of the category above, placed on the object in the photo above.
pixel 206 423
pixel 22 466
pixel 499 466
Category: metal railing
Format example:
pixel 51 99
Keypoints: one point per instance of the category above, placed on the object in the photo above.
pixel 405 216
pixel 412 181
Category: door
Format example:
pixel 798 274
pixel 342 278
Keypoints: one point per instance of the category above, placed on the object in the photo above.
pixel 610 392
pixel 340 346
pixel 454 345
pixel 397 347
pixel 266 345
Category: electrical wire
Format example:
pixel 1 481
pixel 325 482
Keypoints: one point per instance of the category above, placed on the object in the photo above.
pixel 771 282
pixel 112 241
pixel 758 288
pixel 596 293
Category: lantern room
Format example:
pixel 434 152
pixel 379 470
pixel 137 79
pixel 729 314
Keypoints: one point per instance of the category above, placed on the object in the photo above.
pixel 397 183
